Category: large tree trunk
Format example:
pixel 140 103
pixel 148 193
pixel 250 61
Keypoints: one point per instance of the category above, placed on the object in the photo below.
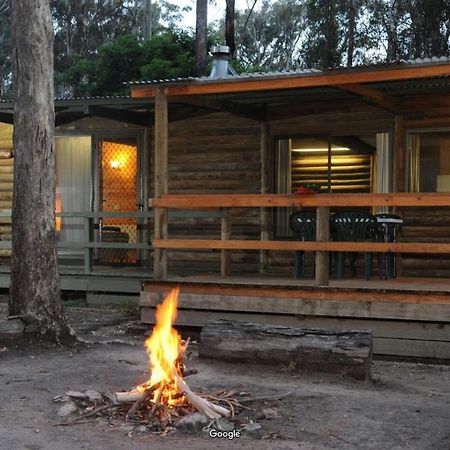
pixel 34 293
pixel 201 38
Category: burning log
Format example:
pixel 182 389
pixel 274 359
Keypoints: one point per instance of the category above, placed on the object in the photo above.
pixel 130 396
pixel 344 352
pixel 166 388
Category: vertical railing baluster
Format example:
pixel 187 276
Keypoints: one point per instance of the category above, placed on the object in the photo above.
pixel 323 235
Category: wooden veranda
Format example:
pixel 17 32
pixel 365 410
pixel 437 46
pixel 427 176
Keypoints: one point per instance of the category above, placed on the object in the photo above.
pixel 409 316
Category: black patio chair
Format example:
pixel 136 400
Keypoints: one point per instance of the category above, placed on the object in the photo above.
pixel 354 226
pixel 303 225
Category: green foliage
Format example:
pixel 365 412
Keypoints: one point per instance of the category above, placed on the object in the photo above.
pixel 169 55
pixel 130 58
pixel 116 63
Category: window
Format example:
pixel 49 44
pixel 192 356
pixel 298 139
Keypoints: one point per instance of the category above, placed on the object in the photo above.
pixel 429 162
pixel 336 164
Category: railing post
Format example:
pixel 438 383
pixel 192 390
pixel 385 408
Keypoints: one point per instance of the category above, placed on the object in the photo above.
pixel 161 180
pixel 88 251
pixel 265 187
pixel 323 234
pixel 225 233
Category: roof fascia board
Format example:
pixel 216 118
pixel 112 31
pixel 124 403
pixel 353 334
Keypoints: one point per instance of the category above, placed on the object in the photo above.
pixel 293 82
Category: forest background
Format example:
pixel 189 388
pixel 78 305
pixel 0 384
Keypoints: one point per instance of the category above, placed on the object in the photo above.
pixel 99 44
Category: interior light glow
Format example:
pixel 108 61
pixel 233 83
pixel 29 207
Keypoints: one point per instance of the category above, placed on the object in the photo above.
pixel 114 164
pixel 317 150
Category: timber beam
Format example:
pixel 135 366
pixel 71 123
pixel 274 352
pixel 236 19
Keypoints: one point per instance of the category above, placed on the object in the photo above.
pixel 374 96
pixel 64 118
pixel 254 112
pixel 133 117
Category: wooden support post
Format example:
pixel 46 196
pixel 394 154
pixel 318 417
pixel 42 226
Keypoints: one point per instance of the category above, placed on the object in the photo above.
pixel 264 213
pixel 323 234
pixel 161 180
pixel 225 235
pixel 88 251
pixel 399 173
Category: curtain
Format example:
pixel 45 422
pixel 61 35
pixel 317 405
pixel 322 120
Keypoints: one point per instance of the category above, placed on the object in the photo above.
pixel 414 162
pixel 383 167
pixel 73 185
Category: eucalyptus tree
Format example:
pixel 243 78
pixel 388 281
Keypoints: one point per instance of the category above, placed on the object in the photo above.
pixel 270 37
pixel 5 47
pixel 230 39
pixel 429 28
pixel 35 287
pixel 82 27
pixel 201 35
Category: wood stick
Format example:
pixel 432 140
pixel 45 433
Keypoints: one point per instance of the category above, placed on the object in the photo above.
pixel 157 402
pixel 140 401
pixel 128 397
pixel 211 410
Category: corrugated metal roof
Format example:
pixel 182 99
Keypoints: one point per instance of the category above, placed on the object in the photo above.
pixel 293 73
pixel 94 97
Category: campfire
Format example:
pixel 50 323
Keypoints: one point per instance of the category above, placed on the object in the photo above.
pixel 166 394
pixel 165 398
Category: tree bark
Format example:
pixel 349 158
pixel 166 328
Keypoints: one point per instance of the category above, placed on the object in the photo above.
pixel 351 32
pixel 343 352
pixel 201 38
pixel 147 19
pixel 35 287
pixel 229 26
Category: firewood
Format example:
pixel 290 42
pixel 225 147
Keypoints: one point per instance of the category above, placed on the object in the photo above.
pixel 130 396
pixel 210 410
pixel 138 403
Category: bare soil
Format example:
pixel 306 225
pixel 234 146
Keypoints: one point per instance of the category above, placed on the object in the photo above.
pixel 405 406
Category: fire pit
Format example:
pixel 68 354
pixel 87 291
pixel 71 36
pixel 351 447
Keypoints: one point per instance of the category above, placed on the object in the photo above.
pixel 165 398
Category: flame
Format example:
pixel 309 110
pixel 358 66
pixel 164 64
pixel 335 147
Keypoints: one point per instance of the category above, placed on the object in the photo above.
pixel 165 351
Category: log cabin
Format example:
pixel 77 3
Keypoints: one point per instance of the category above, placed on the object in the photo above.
pixel 192 182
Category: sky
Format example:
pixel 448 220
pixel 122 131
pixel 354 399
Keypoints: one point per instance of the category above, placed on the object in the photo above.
pixel 215 12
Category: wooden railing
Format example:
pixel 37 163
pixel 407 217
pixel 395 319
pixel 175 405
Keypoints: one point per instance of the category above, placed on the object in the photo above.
pixel 322 202
pixel 90 222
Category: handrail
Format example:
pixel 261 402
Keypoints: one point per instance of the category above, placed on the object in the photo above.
pixel 197 201
pixel 320 201
pixel 322 246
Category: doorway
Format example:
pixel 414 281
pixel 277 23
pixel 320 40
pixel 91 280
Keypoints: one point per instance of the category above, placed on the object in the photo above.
pixel 119 192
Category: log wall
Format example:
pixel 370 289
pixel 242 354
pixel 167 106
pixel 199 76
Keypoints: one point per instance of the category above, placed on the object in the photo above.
pixel 6 184
pixel 216 154
pixel 430 225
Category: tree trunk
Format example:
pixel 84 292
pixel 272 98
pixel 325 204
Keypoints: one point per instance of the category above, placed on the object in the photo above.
pixel 229 26
pixel 201 38
pixel 34 292
pixel 351 32
pixel 147 19
pixel 343 352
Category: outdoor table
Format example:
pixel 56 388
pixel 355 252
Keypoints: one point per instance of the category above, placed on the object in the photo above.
pixel 390 224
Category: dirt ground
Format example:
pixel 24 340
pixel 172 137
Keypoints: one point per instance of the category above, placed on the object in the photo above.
pixel 406 406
